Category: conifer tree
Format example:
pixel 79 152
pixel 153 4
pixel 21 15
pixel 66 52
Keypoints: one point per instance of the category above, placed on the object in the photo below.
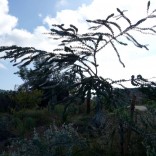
pixel 76 60
pixel 76 55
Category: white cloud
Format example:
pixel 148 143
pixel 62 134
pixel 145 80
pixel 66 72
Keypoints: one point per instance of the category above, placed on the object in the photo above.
pixel 40 15
pixel 11 35
pixel 68 17
pixel 4 6
pixel 137 61
pixel 7 22
pixel 2 66
pixel 61 3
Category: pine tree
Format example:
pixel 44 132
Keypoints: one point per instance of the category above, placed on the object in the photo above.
pixel 76 54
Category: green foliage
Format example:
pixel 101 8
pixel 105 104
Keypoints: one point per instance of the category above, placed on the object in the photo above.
pixel 21 127
pixel 151 152
pixel 42 116
pixel 99 140
pixel 76 55
pixel 25 120
pixel 27 99
pixel 73 66
pixel 147 87
pixel 56 141
pixel 150 103
pixel 59 109
pixel 6 103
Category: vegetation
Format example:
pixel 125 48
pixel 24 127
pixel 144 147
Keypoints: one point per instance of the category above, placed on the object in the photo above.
pixel 105 119
pixel 27 99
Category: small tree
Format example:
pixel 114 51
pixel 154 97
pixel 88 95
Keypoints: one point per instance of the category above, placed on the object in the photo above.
pixel 76 56
pixel 42 78
pixel 77 53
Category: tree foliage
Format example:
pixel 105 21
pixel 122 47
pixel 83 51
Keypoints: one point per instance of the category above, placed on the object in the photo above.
pixel 73 66
pixel 54 84
pixel 76 53
pixel 27 99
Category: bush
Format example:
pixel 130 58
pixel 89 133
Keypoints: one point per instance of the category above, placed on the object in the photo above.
pixel 41 117
pixel 6 102
pixel 25 120
pixel 27 99
pixel 56 141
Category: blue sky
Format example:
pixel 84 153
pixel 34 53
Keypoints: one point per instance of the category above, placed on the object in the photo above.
pixel 23 23
pixel 30 13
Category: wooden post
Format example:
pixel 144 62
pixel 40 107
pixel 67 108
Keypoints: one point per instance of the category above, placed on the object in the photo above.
pixel 129 131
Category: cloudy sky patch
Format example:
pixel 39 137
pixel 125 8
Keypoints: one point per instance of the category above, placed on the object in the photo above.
pixel 24 23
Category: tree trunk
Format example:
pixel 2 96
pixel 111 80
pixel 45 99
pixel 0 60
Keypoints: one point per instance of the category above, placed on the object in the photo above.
pixel 88 102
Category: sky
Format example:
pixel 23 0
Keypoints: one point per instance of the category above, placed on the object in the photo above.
pixel 24 22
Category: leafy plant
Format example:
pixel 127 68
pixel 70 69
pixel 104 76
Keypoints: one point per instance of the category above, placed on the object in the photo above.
pixel 76 55
pixel 27 99
pixel 6 102
pixel 56 141
pixel 76 60
pixel 42 116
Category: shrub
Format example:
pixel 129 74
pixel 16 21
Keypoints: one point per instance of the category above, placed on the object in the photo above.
pixel 41 117
pixel 56 141
pixel 25 99
pixel 6 103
